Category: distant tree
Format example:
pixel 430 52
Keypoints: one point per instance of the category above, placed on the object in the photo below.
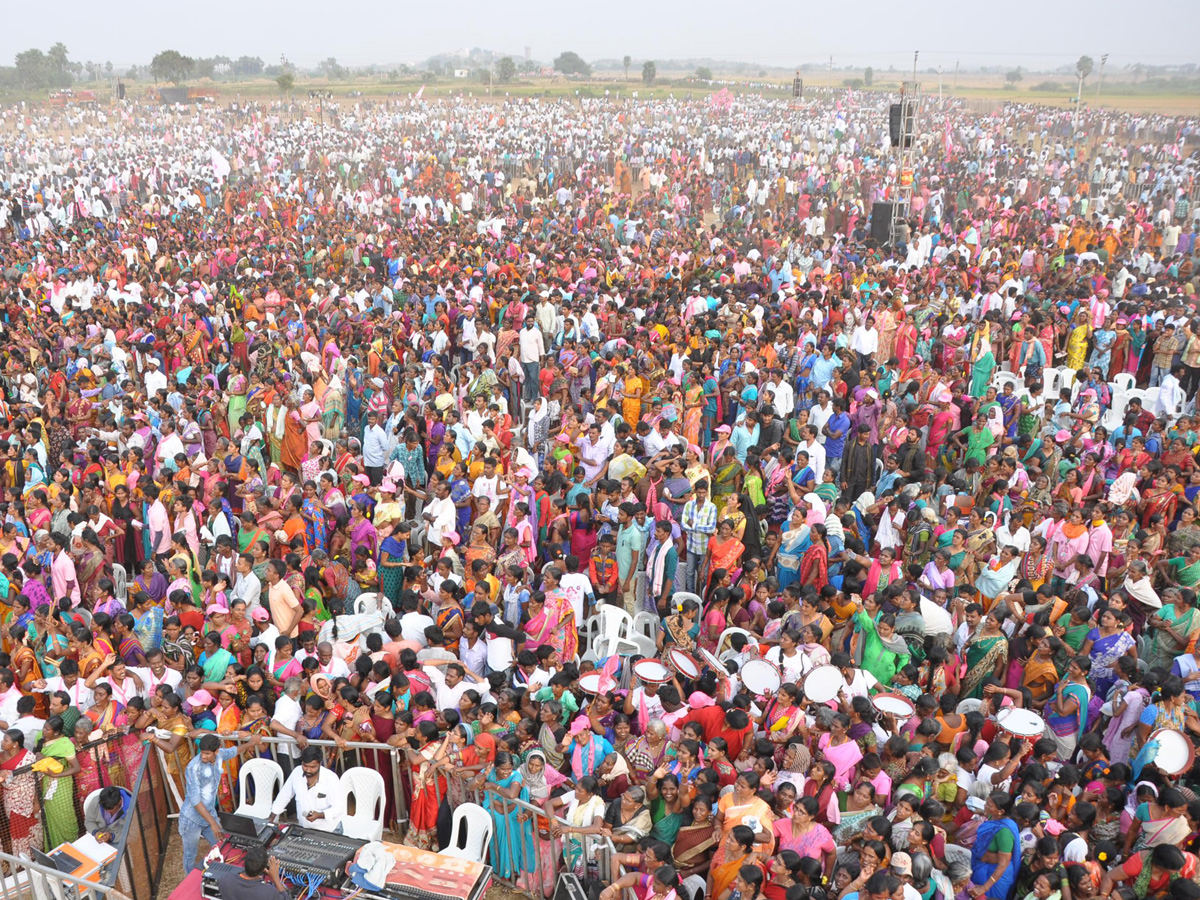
pixel 627 62
pixel 868 76
pixel 1138 71
pixel 1014 76
pixel 331 69
pixel 571 63
pixel 108 68
pixel 704 73
pixel 649 72
pixel 505 69
pixel 172 66
pixel 32 68
pixel 435 67
pixel 1083 68
pixel 248 66
pixel 58 58
pixel 204 67
pixel 286 82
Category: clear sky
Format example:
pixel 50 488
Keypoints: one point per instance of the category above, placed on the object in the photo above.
pixel 1037 34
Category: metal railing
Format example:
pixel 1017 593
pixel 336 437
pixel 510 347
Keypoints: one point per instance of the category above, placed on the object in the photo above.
pixel 140 841
pixel 383 758
pixel 523 852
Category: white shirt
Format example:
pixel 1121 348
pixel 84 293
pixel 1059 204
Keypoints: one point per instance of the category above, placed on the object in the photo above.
pixel 29 726
pixel 155 381
pixel 150 681
pixel 864 340
pixel 532 347
pixel 447 697
pixel 287 714
pixel 80 694
pixel 937 620
pixel 816 456
pixel 576 586
pixel 8 705
pixel 444 518
pixel 325 796
pixel 413 625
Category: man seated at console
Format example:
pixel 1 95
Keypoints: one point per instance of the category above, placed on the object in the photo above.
pixel 320 800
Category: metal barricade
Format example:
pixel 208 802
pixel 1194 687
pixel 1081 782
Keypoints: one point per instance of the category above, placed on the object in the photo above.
pixel 383 758
pixel 524 854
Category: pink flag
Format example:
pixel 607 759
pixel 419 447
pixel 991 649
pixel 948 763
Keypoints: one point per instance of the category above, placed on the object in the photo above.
pixel 420 92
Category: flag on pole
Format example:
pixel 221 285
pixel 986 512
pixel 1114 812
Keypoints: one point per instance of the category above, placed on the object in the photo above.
pixel 220 164
pixel 420 92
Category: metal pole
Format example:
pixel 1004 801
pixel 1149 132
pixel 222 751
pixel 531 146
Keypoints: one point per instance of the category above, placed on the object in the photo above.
pixel 916 53
pixel 1100 77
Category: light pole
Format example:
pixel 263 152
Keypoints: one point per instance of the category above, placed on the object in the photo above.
pixel 1100 76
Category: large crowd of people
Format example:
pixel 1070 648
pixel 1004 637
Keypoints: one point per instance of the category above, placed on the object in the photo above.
pixel 422 424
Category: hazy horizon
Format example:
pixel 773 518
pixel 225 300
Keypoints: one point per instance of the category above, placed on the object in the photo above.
pixel 1034 35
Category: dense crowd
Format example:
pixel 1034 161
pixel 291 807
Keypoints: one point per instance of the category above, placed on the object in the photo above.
pixel 593 454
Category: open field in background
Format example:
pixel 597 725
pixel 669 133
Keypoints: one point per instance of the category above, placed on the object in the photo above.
pixel 1119 90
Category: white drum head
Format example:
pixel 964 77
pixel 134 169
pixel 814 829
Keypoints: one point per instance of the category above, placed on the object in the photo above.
pixel 823 683
pixel 1175 752
pixel 683 663
pixel 709 659
pixel 651 670
pixel 761 676
pixel 894 704
pixel 590 683
pixel 1024 723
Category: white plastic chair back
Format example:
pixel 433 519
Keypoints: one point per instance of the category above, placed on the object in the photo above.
pixel 614 622
pixel 693 888
pixel 1150 397
pixel 120 582
pixel 371 602
pixel 470 834
pixel 723 644
pixel 91 803
pixel 679 596
pixel 645 624
pixel 1123 382
pixel 367 787
pixel 266 778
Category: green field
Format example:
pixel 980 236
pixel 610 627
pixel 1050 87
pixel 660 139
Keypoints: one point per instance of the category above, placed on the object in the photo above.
pixel 1118 92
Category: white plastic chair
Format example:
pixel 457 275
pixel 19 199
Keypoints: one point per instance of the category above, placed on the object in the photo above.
pixel 367 787
pixel 470 833
pixel 693 888
pixel 728 633
pixel 267 778
pixel 120 582
pixel 91 804
pixel 1123 382
pixel 1002 378
pixel 679 596
pixel 1150 397
pixel 614 634
pixel 372 602
pixel 1050 379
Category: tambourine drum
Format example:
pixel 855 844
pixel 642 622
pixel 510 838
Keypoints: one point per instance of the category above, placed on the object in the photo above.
pixel 894 704
pixel 1175 751
pixel 710 659
pixel 590 683
pixel 651 670
pixel 1024 723
pixel 322 686
pixel 683 663
pixel 761 676
pixel 823 683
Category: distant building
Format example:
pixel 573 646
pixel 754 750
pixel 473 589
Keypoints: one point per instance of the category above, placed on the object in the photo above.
pixel 461 73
